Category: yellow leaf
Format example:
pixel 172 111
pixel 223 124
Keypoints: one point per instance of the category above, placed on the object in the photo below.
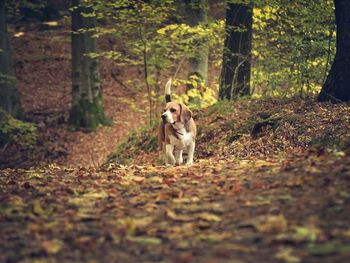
pixel 131 224
pixel 145 240
pixel 183 218
pixel 285 254
pixel 95 195
pixel 309 233
pixel 347 233
pixel 19 34
pixel 37 209
pixel 51 23
pixel 187 200
pixel 213 237
pixel 273 224
pixel 52 246
pixel 209 217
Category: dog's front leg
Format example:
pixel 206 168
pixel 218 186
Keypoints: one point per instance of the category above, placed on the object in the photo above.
pixel 169 149
pixel 190 153
pixel 179 159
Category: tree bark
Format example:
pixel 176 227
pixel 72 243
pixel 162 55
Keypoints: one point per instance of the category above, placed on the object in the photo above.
pixel 337 85
pixel 197 14
pixel 9 99
pixel 87 104
pixel 236 68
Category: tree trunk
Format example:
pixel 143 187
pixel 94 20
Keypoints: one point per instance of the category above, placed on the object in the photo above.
pixel 9 99
pixel 87 104
pixel 337 85
pixel 197 14
pixel 236 68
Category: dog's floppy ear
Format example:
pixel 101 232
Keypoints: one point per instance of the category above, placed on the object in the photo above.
pixel 185 113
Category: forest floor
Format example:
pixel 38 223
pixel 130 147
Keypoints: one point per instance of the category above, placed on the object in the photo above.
pixel 43 63
pixel 294 209
pixel 270 182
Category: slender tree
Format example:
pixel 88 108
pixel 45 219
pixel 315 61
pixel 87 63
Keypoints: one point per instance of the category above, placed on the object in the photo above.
pixel 236 68
pixel 87 104
pixel 197 15
pixel 9 99
pixel 337 85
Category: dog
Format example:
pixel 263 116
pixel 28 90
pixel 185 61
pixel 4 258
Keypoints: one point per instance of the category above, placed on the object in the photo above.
pixel 177 132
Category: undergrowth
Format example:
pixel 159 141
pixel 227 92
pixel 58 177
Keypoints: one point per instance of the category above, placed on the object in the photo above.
pixel 143 140
pixel 252 128
pixel 16 131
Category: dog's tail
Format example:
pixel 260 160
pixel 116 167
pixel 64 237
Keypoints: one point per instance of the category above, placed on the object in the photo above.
pixel 167 91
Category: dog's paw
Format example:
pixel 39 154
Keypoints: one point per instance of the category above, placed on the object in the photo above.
pixel 179 161
pixel 188 163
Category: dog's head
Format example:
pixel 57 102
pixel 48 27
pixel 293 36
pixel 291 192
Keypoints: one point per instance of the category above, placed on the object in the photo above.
pixel 176 112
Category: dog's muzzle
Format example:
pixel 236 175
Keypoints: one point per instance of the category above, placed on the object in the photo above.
pixel 164 117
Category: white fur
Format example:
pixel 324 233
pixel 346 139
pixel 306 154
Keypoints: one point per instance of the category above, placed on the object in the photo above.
pixel 169 116
pixel 184 141
pixel 167 87
pixel 170 159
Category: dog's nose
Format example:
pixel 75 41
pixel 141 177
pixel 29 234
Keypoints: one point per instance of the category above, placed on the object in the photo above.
pixel 163 116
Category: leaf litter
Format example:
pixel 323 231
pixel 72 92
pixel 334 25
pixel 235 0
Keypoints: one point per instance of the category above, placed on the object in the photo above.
pixel 280 213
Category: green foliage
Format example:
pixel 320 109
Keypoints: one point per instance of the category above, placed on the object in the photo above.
pixel 200 96
pixel 147 35
pixel 291 44
pixel 14 130
pixel 144 140
pixel 292 47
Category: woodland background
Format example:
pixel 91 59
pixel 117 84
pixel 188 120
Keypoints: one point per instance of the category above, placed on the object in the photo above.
pixel 82 87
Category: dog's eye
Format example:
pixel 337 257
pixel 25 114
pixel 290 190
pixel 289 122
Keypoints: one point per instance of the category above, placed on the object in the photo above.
pixel 164 110
pixel 172 110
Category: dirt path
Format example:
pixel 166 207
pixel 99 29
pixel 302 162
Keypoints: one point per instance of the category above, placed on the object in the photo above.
pixel 293 210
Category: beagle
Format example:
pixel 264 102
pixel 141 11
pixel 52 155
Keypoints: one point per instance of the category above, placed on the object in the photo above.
pixel 177 132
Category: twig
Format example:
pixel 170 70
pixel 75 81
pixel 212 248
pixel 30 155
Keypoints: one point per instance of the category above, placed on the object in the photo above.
pixel 93 160
pixel 178 67
pixel 235 77
pixel 145 68
pixel 4 148
pixel 329 53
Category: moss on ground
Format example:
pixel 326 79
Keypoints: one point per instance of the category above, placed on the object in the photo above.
pixel 17 131
pixel 144 140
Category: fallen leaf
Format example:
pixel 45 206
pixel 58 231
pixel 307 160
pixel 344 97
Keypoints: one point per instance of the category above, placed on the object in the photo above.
pixel 52 246
pixel 37 209
pixel 310 233
pixel 285 254
pixel 328 248
pixel 95 195
pixel 131 224
pixel 209 217
pixel 187 200
pixel 182 218
pixel 273 224
pixel 145 240
pixel 138 179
